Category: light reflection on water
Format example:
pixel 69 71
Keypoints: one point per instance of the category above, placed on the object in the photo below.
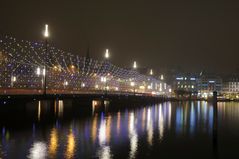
pixel 133 137
pixel 38 150
pixel 53 143
pixel 109 133
pixel 70 147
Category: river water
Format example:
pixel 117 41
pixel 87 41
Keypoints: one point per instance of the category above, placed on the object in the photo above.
pixel 67 129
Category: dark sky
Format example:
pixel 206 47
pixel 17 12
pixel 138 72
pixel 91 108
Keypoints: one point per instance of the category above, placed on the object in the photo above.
pixel 190 34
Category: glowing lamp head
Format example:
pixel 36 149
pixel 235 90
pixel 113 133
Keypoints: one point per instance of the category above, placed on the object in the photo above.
pixel 38 71
pixel 107 55
pixel 72 66
pixel 44 72
pixel 135 65
pixel 151 72
pixel 46 32
pixel 14 78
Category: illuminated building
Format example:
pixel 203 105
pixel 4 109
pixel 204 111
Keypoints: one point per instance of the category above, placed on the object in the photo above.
pixel 186 83
pixel 231 87
pixel 208 84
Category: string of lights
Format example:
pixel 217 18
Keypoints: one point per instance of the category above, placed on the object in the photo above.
pixel 22 67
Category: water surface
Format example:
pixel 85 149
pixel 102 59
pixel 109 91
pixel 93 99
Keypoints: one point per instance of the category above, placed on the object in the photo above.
pixel 67 129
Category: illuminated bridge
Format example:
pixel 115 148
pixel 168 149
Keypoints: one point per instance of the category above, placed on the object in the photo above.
pixel 29 67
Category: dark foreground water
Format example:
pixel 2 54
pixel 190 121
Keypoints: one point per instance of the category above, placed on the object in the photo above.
pixel 67 129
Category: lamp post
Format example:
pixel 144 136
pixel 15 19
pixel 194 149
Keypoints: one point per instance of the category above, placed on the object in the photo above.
pixel 151 72
pixel 13 80
pixel 133 83
pixel 135 65
pixel 46 35
pixel 107 55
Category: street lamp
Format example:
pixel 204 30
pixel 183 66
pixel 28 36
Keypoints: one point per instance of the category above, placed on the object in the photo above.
pixel 104 80
pixel 151 72
pixel 107 55
pixel 65 84
pixel 13 80
pixel 133 85
pixel 135 65
pixel 46 35
pixel 38 71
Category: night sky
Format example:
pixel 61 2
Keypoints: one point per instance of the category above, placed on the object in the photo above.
pixel 188 34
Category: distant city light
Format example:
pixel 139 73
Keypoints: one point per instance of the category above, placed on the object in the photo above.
pixel 170 90
pixel 211 81
pixel 179 78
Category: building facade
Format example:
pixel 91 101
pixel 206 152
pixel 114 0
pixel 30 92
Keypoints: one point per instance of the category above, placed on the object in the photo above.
pixel 231 87
pixel 186 83
pixel 208 84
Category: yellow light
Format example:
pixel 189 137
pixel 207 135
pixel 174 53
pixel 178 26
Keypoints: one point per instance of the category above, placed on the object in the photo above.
pixel 103 79
pixel 107 54
pixel 44 72
pixel 14 79
pixel 38 71
pixel 46 33
pixel 83 85
pixel 53 144
pixel 141 87
pixel 153 92
pixel 151 71
pixel 132 84
pixel 135 65
pixel 70 145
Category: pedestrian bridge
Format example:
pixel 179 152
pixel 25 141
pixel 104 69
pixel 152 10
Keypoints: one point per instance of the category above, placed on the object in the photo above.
pixel 28 67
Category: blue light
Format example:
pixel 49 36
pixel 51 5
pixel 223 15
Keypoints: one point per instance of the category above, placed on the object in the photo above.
pixel 179 78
